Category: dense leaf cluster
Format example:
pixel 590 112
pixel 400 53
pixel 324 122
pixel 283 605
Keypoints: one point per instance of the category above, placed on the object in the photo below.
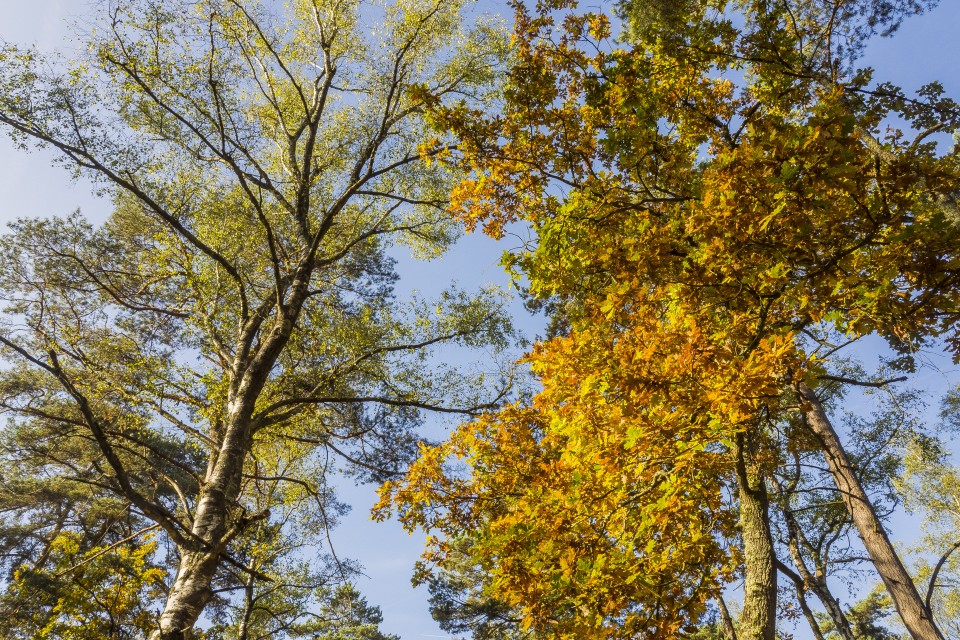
pixel 200 366
pixel 721 205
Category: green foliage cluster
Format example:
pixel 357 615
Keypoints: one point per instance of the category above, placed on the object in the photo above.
pixel 201 364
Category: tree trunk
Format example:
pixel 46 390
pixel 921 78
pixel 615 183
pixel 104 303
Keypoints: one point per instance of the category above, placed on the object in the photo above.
pixel 729 631
pixel 191 590
pixel 888 564
pixel 808 614
pixel 817 583
pixel 758 620
pixel 243 633
pixel 188 596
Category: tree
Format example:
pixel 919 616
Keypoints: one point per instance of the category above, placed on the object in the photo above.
pixel 930 485
pixel 811 518
pixel 867 619
pixel 85 595
pixel 232 325
pixel 346 616
pixel 461 603
pixel 709 203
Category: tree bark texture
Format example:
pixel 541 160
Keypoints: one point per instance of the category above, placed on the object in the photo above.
pixel 188 596
pixel 899 584
pixel 758 620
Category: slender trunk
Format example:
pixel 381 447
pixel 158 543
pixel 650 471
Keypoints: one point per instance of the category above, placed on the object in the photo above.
pixel 758 620
pixel 244 631
pixel 808 614
pixel 729 631
pixel 815 583
pixel 888 564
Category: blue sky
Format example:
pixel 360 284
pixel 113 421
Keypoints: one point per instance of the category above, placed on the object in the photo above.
pixel 925 49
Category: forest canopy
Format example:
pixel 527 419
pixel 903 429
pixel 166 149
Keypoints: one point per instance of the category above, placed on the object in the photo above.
pixel 725 207
pixel 743 239
pixel 183 383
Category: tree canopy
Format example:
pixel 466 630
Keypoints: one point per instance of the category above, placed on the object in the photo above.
pixel 182 381
pixel 722 204
pixel 722 201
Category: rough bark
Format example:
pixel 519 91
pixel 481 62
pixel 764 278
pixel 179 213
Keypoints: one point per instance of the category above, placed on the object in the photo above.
pixel 899 584
pixel 758 620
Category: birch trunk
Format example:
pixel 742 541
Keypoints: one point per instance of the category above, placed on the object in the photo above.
pixel 188 596
pixel 211 525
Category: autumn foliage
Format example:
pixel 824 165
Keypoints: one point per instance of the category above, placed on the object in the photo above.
pixel 709 201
